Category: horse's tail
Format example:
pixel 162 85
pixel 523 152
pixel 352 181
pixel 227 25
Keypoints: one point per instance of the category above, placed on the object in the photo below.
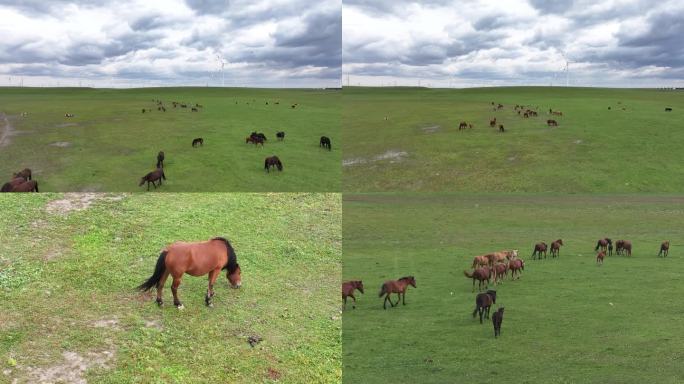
pixel 468 275
pixel 163 175
pixel 266 164
pixel 36 184
pixel 598 244
pixel 383 290
pixel 156 276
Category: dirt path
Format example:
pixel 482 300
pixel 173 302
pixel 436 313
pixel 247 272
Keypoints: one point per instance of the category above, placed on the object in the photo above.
pixel 6 131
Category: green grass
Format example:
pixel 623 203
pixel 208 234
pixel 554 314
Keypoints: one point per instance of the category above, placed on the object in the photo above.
pixel 592 150
pixel 559 325
pixel 61 273
pixel 111 144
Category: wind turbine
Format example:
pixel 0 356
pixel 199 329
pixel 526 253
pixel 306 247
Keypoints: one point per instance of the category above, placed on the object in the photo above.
pixel 566 68
pixel 222 63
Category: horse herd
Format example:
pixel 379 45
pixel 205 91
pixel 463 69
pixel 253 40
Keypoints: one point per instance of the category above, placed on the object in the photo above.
pixel 522 110
pixel 493 266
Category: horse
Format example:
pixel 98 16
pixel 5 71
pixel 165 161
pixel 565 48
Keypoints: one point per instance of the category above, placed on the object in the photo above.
pixel 603 244
pixel 492 122
pixel 463 125
pixel 497 319
pixel 610 249
pixel 599 257
pixel 664 248
pixel 501 128
pixel 280 135
pixel 555 248
pixel 551 123
pixel 516 266
pixel 27 186
pixel 258 135
pixel 152 177
pixel 482 275
pixel 668 109
pixel 10 185
pixel 500 256
pixel 272 161
pixel 480 261
pixel 254 140
pixel 348 288
pixel 195 259
pixel 557 113
pixel 198 141
pixel 538 249
pixel 193 109
pixel 500 271
pixel 325 143
pixel 398 287
pixel 622 246
pixel 483 301
pixel 143 110
pixel 25 173
pixel 160 159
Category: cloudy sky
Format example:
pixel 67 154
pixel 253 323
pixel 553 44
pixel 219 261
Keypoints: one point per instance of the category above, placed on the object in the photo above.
pixel 462 43
pixel 264 43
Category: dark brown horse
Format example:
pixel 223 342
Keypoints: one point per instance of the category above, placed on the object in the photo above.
pixel 539 248
pixel 25 173
pixel 497 319
pixel 555 248
pixel 482 275
pixel 516 266
pixel 160 159
pixel 398 287
pixel 195 259
pixel 10 185
pixel 501 128
pixel 27 186
pixel 492 122
pixel 463 125
pixel 280 135
pixel 552 123
pixel 198 141
pixel 623 247
pixel 603 244
pixel 348 288
pixel 254 140
pixel 484 301
pixel 325 143
pixel 599 257
pixel 664 248
pixel 153 177
pixel 273 161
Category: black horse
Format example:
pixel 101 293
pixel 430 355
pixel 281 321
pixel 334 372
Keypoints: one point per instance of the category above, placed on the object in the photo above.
pixel 198 141
pixel 325 143
pixel 273 161
pixel 483 303
pixel 152 177
pixel 280 135
pixel 160 159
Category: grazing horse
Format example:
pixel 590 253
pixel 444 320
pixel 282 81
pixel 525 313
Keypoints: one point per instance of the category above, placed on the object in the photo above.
pixel 280 135
pixel 348 288
pixel 398 287
pixel 152 177
pixel 555 248
pixel 160 159
pixel 254 140
pixel 622 246
pixel 193 109
pixel 668 109
pixel 492 122
pixel 551 123
pixel 483 301
pixel 259 135
pixel 599 257
pixel 325 143
pixel 539 248
pixel 482 275
pixel 198 141
pixel 501 128
pixel 516 266
pixel 25 173
pixel 664 248
pixel 27 186
pixel 195 259
pixel 497 319
pixel 603 244
pixel 463 125
pixel 143 110
pixel 273 161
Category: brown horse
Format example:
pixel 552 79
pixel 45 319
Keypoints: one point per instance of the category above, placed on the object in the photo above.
pixel 555 248
pixel 539 248
pixel 462 126
pixel 348 288
pixel 552 123
pixel 483 301
pixel 482 275
pixel 501 256
pixel 516 266
pixel 28 186
pixel 500 271
pixel 599 257
pixel 10 185
pixel 273 161
pixel 254 140
pixel 25 173
pixel 398 287
pixel 195 259
pixel 623 246
pixel 492 122
pixel 480 261
pixel 152 177
pixel 603 244
pixel 664 248
pixel 497 319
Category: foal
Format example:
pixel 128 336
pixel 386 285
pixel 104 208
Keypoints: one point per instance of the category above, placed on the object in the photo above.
pixel 483 301
pixel 599 257
pixel 497 319
pixel 348 288
pixel 664 248
pixel 398 287
pixel 555 248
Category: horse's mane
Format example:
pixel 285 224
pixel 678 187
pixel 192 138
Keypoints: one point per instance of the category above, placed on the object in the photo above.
pixel 407 278
pixel 232 263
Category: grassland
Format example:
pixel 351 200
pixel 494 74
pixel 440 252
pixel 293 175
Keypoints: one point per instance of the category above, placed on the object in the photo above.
pixel 566 320
pixel 109 143
pixel 69 264
pixel 593 149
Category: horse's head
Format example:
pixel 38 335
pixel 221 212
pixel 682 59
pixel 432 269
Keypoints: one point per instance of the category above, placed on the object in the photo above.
pixel 235 278
pixel 492 293
pixel 359 285
pixel 410 280
pixel 279 165
pixel 142 180
pixel 559 241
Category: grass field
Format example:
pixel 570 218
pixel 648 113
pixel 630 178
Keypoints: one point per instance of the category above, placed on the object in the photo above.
pixel 110 144
pixel 69 265
pixel 566 320
pixel 593 149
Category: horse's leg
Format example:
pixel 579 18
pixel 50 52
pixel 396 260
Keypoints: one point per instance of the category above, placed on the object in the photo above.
pixel 148 185
pixel 160 287
pixel 174 290
pixel 344 304
pixel 210 288
pixel 353 298
pixel 403 298
pixel 384 303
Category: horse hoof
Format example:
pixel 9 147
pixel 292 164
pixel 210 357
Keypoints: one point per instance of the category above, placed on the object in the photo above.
pixel 210 305
pixel 180 307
